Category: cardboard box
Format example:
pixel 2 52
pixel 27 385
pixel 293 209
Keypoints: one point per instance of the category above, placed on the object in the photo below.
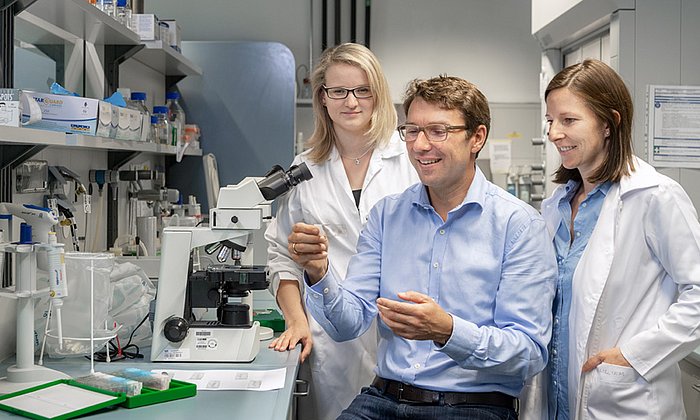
pixel 69 114
pixel 9 107
pixel 129 127
pixel 108 118
pixel 146 26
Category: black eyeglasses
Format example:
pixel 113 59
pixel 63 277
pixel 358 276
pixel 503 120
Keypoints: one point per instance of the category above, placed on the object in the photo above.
pixel 361 92
pixel 434 132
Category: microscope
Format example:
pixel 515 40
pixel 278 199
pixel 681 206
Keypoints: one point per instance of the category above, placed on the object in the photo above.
pixel 206 315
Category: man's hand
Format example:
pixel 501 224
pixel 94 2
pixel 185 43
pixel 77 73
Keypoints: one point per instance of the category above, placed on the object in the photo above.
pixel 295 333
pixel 611 356
pixel 309 248
pixel 419 318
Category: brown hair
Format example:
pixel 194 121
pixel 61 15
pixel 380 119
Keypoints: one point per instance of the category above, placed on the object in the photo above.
pixel 452 93
pixel 383 121
pixel 604 92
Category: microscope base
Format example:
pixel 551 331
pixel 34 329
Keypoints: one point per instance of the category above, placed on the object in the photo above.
pixel 204 344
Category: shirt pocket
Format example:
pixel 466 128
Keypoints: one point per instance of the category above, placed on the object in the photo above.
pixel 617 392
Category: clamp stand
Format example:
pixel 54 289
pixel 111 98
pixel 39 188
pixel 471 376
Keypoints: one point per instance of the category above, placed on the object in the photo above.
pixel 25 374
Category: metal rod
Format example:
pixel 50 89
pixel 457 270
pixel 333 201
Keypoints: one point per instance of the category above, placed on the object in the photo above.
pixel 311 35
pixel 353 21
pixel 336 11
pixel 324 25
pixel 368 9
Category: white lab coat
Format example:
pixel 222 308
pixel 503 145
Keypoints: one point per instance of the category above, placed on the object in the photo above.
pixel 637 287
pixel 338 370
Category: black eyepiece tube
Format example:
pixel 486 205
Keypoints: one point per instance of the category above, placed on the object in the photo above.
pixel 278 182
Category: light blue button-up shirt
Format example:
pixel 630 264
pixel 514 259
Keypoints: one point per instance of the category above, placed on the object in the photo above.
pixel 490 265
pixel 568 255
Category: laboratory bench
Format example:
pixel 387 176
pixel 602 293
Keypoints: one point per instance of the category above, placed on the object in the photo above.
pixel 263 405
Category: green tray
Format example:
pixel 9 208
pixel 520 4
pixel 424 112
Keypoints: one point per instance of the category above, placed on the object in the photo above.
pixel 269 318
pixel 116 399
pixel 148 396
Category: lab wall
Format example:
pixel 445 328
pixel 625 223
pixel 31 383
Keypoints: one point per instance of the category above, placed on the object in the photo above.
pixel 486 42
pixel 651 42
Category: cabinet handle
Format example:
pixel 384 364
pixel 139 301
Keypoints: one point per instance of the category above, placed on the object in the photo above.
pixel 304 385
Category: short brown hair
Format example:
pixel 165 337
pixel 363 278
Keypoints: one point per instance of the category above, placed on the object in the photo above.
pixel 450 92
pixel 604 92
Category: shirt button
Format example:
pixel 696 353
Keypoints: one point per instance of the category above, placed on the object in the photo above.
pixel 436 265
pixel 554 352
pixel 554 383
pixel 584 204
pixel 326 290
pixel 578 234
pixel 556 321
pixel 417 366
pixel 442 231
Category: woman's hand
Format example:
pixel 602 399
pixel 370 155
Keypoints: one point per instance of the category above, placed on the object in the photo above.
pixel 611 356
pixel 308 247
pixel 297 332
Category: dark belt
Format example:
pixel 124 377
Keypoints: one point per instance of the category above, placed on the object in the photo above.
pixel 409 393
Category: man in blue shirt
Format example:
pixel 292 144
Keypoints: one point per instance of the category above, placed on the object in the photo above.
pixel 461 274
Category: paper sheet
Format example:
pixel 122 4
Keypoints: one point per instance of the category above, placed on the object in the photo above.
pixel 227 380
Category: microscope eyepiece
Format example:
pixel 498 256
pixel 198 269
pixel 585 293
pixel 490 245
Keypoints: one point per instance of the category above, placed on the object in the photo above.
pixel 278 182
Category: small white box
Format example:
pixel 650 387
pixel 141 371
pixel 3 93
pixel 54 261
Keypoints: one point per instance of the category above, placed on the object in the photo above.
pixel 106 123
pixel 146 26
pixel 9 107
pixel 129 127
pixel 173 34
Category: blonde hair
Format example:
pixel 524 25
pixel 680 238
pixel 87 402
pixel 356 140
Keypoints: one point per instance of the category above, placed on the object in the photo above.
pixel 383 120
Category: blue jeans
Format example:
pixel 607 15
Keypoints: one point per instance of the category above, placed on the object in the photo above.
pixel 371 404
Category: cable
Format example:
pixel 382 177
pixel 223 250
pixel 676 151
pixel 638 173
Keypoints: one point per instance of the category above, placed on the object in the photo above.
pixel 120 353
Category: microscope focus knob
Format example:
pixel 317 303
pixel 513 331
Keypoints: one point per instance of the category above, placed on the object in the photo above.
pixel 234 219
pixel 175 329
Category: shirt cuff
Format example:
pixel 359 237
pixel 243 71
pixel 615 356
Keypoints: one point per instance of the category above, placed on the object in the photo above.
pixel 464 340
pixel 326 289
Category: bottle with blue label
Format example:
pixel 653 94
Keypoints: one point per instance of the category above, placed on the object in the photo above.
pixel 176 116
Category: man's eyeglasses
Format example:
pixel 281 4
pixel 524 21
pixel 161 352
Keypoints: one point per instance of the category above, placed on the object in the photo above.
pixel 361 92
pixel 434 132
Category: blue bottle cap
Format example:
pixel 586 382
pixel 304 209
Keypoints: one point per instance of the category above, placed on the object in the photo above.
pixel 138 96
pixel 172 95
pixel 160 109
pixel 154 119
pixel 25 233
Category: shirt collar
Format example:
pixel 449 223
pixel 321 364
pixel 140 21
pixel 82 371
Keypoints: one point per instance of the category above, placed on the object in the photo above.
pixel 571 187
pixel 476 193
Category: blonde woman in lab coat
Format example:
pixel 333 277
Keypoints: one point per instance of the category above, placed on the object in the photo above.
pixel 632 288
pixel 355 161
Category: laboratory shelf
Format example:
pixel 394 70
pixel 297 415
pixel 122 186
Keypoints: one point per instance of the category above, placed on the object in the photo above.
pixel 62 20
pixel 304 102
pixel 34 137
pixel 166 60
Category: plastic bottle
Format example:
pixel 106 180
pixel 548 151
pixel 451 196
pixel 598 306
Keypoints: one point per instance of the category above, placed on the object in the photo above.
pixel 138 99
pixel 163 128
pixel 123 12
pixel 176 115
pixel 154 133
pixel 108 7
